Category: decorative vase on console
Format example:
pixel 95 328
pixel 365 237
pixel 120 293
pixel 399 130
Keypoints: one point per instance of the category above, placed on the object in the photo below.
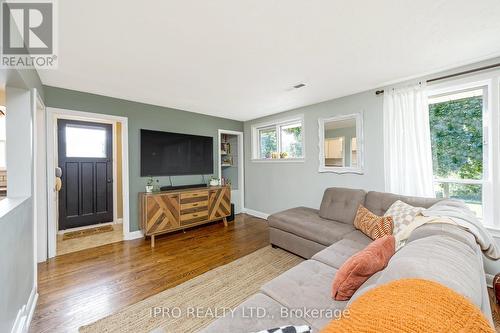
pixel 214 182
pixel 150 184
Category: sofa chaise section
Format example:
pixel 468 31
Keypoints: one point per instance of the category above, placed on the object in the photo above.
pixel 306 231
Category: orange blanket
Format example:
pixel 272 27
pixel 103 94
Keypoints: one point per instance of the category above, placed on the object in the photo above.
pixel 411 305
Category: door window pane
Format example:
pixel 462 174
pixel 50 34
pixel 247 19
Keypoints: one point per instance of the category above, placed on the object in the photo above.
pixel 85 142
pixel 291 141
pixel 268 142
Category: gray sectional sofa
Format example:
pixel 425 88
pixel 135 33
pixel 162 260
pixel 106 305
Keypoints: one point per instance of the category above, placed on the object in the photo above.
pixel 440 252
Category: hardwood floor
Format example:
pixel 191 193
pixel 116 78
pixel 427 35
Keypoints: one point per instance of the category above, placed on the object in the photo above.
pixel 79 288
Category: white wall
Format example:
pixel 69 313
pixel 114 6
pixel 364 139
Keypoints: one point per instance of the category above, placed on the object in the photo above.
pixel 17 229
pixel 19 142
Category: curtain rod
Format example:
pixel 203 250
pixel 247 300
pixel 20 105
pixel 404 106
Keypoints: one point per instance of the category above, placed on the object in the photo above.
pixel 379 92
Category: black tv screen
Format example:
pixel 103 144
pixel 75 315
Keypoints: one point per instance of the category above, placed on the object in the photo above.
pixel 171 154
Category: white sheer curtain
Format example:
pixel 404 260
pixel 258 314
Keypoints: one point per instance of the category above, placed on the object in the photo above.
pixel 407 142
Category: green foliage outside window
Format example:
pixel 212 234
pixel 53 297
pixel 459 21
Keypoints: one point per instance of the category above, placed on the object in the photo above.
pixel 457 144
pixel 295 149
pixel 268 143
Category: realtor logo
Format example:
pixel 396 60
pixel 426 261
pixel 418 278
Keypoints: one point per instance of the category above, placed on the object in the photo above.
pixel 28 34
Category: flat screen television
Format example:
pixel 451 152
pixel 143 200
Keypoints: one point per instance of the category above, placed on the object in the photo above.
pixel 173 154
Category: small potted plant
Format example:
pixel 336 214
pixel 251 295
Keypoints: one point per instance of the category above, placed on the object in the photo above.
pixel 150 184
pixel 214 181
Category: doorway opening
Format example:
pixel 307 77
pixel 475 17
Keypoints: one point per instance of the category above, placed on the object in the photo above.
pixel 89 171
pixel 231 165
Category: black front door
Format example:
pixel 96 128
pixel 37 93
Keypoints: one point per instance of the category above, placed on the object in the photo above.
pixel 85 157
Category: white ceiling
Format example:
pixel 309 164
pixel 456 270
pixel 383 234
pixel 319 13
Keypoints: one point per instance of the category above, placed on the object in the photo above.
pixel 239 59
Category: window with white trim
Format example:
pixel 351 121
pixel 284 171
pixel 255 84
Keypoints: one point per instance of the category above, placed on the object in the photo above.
pixel 459 126
pixel 281 140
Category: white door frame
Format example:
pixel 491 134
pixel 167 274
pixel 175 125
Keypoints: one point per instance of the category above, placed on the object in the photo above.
pixel 53 114
pixel 39 183
pixel 39 191
pixel 241 163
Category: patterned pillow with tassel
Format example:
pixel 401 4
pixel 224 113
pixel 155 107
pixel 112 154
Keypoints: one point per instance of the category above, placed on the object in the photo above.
pixel 372 225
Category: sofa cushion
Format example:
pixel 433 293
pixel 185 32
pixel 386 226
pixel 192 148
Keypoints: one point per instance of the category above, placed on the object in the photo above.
pixel 306 223
pixel 306 286
pixel 379 202
pixel 359 237
pixel 336 254
pixel 340 204
pixel 246 318
pixel 445 260
pixel 300 246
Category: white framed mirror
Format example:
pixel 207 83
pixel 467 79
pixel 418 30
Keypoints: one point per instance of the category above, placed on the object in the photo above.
pixel 341 146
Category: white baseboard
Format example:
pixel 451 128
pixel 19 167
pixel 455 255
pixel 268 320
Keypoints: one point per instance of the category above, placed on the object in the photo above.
pixel 133 235
pixel 25 314
pixel 255 213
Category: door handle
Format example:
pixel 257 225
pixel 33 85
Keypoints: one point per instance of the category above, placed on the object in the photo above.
pixel 110 180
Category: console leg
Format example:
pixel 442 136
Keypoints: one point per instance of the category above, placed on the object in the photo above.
pixel 152 241
pixel 225 221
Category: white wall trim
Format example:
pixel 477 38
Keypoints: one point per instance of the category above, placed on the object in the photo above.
pixel 255 213
pixel 52 115
pixel 25 314
pixel 133 235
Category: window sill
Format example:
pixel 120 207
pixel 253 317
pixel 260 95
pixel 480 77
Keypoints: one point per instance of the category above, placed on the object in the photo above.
pixel 494 231
pixel 279 160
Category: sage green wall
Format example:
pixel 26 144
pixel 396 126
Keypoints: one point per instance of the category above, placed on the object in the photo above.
pixel 142 116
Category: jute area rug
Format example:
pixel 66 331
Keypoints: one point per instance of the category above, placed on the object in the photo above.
pixel 192 305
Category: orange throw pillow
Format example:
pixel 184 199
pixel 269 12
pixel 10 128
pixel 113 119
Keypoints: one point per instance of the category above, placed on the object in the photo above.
pixel 372 225
pixel 358 268
pixel 411 305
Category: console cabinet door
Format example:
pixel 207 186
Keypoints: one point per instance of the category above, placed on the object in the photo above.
pixel 162 213
pixel 219 203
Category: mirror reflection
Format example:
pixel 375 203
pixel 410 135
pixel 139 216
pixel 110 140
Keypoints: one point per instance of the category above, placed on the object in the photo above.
pixel 341 143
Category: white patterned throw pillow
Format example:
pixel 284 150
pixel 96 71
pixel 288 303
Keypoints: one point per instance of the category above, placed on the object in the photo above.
pixel 288 329
pixel 402 215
